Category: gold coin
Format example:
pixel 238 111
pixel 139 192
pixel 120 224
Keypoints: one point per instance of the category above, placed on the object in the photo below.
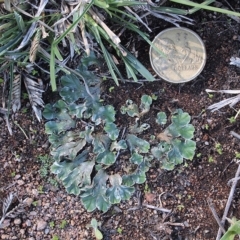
pixel 178 55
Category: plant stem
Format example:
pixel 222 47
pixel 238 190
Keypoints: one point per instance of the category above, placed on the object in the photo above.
pixel 211 206
pixel 235 134
pixel 229 201
pixel 21 129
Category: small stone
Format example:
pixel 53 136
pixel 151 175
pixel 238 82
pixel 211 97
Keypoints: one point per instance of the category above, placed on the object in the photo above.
pixel 22 231
pixel 28 201
pixel 235 37
pixel 34 227
pixel 17 176
pixel 33 213
pixel 186 224
pixel 5 223
pixel 46 205
pixel 20 182
pixel 46 231
pixel 150 197
pixel 41 225
pixel 35 192
pixel 17 221
pixel 206 143
pixel 117 209
pixel 46 144
pixel 31 238
pixel 5 236
pixel 28 223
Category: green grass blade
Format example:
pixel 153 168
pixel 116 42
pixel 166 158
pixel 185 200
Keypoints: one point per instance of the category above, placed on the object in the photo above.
pixel 138 66
pixel 204 6
pixel 113 11
pixel 20 22
pixel 115 3
pixel 171 10
pixel 11 43
pixel 195 9
pixel 56 42
pixel 58 54
pixel 107 57
pixel 10 16
pixel 130 70
pixel 5 26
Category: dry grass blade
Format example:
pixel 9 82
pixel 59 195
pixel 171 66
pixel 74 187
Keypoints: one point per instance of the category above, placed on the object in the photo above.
pixel 138 18
pixel 33 27
pixel 34 46
pixel 85 41
pixel 4 89
pixel 235 61
pixel 115 39
pixel 3 110
pixel 17 210
pixel 20 208
pixel 7 202
pixel 229 101
pixel 35 90
pixel 8 124
pixel 16 93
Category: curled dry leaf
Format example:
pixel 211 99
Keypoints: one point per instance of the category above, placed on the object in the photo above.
pixel 165 136
pixel 150 197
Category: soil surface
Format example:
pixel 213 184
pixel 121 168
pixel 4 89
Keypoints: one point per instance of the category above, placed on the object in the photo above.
pixel 50 211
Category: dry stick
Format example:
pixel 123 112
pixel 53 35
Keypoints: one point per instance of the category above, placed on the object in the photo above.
pixel 211 206
pixel 235 134
pixel 229 201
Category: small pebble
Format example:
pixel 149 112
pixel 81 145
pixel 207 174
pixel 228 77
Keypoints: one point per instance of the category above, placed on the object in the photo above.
pixel 20 182
pixel 33 213
pixel 17 176
pixel 17 221
pixel 35 192
pixel 5 236
pixel 28 223
pixel 28 201
pixel 41 225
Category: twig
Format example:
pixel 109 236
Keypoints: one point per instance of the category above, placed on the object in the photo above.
pixel 140 205
pixel 174 224
pixel 227 167
pixel 15 122
pixel 235 134
pixel 229 201
pixel 211 206
pixel 232 180
pixel 159 198
pixel 9 186
pixel 157 208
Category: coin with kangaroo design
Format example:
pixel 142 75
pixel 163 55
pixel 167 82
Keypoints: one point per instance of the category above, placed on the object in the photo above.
pixel 177 55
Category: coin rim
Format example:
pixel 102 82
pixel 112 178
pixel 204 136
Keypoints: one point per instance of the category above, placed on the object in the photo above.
pixel 201 42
